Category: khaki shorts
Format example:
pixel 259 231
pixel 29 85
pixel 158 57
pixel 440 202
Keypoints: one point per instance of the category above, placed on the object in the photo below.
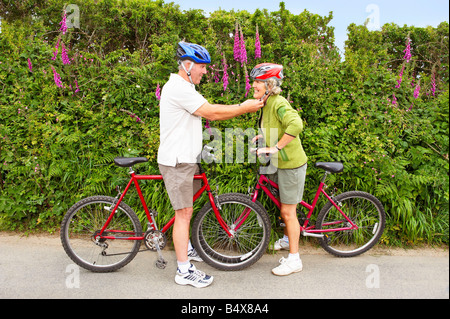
pixel 180 184
pixel 291 184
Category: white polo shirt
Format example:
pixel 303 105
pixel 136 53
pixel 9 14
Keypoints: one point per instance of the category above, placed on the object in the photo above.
pixel 180 131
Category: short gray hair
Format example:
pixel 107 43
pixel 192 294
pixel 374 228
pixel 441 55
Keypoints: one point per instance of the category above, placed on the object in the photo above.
pixel 274 86
pixel 180 62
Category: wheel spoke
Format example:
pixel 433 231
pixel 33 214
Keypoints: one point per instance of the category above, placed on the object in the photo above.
pixel 250 232
pixel 80 234
pixel 365 211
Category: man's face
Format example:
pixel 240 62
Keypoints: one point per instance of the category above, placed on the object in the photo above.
pixel 197 71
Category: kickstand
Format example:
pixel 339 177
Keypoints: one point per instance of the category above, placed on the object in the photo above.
pixel 161 263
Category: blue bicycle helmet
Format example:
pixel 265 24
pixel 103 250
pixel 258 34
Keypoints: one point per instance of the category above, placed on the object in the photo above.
pixel 193 52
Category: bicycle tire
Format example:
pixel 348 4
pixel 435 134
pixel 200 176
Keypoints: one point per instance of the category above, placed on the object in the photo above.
pixel 87 217
pixel 249 242
pixel 365 210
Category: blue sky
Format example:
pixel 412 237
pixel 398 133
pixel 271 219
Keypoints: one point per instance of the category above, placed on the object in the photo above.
pixel 419 13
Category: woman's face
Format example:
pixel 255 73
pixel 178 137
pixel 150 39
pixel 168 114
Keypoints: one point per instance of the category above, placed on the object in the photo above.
pixel 259 88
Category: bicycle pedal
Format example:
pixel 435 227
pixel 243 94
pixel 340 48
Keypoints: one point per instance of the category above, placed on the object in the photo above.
pixel 161 263
pixel 281 223
pixel 306 234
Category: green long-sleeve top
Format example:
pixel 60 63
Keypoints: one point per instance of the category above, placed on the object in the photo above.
pixel 279 118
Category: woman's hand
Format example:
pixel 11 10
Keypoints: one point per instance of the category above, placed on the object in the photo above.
pixel 267 150
pixel 256 138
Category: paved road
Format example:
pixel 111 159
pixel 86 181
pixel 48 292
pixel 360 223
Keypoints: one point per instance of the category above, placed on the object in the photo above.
pixel 37 267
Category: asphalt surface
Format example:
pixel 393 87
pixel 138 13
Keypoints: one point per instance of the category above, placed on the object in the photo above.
pixel 37 267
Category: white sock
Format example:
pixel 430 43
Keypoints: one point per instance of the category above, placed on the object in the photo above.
pixel 184 266
pixel 190 247
pixel 294 256
pixel 286 239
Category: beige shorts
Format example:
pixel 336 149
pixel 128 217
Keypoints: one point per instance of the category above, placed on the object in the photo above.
pixel 291 184
pixel 180 184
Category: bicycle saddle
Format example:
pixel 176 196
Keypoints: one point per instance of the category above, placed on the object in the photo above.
pixel 129 161
pixel 332 167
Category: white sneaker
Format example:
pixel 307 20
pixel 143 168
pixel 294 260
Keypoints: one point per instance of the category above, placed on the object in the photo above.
pixel 280 244
pixel 192 255
pixel 194 278
pixel 288 267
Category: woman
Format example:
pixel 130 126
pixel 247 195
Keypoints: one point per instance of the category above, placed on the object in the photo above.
pixel 281 126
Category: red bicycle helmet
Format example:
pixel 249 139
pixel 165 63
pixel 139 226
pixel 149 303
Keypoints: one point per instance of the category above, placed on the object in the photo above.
pixel 266 71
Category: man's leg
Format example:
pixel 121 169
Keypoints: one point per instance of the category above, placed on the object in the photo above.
pixel 187 274
pixel 181 233
pixel 179 185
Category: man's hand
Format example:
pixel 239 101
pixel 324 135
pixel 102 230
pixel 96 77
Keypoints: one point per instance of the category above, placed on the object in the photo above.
pixel 253 105
pixel 218 112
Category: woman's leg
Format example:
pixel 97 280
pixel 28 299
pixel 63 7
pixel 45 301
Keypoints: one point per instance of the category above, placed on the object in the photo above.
pixel 292 230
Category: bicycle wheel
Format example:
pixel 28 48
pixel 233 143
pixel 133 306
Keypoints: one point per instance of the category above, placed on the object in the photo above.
pixel 365 211
pixel 82 223
pixel 248 223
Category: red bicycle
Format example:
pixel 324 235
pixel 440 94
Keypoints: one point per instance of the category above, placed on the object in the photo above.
pixel 103 233
pixel 348 225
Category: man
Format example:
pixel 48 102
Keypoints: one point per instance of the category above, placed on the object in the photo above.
pixel 181 111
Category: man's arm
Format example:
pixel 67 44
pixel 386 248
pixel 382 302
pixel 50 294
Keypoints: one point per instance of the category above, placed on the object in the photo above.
pixel 218 112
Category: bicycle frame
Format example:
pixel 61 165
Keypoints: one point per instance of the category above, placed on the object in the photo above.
pixel 261 185
pixel 152 223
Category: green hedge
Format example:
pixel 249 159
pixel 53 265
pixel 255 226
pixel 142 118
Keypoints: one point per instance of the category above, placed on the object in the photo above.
pixel 57 144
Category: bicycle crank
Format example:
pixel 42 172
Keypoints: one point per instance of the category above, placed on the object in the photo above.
pixel 156 240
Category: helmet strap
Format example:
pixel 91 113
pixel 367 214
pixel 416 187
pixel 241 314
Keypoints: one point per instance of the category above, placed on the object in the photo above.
pixel 265 96
pixel 188 72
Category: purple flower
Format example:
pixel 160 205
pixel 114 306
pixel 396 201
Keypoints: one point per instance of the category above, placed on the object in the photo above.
pixel 394 99
pixel 399 81
pixel 243 50
pixel 64 56
pixel 78 89
pixel 257 45
pixel 247 84
pixel 225 75
pixel 63 24
pixel 208 127
pixel 55 53
pixel 216 77
pixel 57 78
pixel 158 92
pixel 417 90
pixel 237 45
pixel 133 116
pixel 433 83
pixel 31 67
pixel 407 51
